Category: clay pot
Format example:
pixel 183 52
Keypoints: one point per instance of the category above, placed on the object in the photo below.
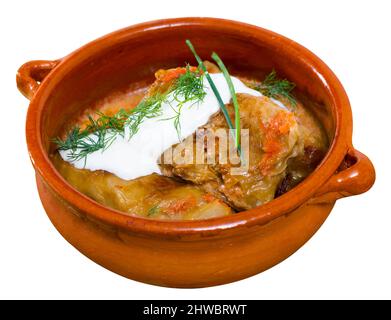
pixel 188 253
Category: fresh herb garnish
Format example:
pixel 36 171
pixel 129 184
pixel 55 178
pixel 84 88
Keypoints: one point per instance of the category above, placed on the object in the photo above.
pixel 148 108
pixel 212 85
pixel 276 88
pixel 153 210
pixel 233 95
pixel 189 87
pixel 101 132
pixel 214 89
pixel 98 134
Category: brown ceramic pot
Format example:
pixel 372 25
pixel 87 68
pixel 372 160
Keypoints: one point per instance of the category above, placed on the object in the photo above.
pixel 188 253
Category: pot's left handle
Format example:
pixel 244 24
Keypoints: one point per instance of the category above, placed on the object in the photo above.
pixel 31 74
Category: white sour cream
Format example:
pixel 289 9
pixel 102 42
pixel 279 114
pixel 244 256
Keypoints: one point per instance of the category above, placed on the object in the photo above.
pixel 138 156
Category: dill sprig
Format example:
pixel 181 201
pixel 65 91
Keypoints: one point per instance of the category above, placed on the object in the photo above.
pixel 274 87
pixel 115 122
pixel 101 132
pixel 153 210
pixel 189 87
pixel 148 108
pixel 96 136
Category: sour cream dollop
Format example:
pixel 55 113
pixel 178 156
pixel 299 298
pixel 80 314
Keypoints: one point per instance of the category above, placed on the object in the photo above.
pixel 138 156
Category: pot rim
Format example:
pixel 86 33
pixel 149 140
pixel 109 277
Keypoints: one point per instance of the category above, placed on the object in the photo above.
pixel 256 216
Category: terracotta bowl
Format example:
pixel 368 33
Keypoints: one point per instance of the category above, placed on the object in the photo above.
pixel 188 253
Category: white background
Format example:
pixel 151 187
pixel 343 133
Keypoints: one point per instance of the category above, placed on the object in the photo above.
pixel 350 256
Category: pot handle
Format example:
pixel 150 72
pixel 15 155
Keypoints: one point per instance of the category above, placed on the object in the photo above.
pixel 31 74
pixel 355 175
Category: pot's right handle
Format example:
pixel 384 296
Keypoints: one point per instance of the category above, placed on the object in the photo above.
pixel 31 74
pixel 355 175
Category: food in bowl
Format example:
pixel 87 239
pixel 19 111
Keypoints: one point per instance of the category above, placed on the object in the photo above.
pixel 187 253
pixel 197 143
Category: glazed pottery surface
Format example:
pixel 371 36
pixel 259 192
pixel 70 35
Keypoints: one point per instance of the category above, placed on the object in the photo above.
pixel 188 253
